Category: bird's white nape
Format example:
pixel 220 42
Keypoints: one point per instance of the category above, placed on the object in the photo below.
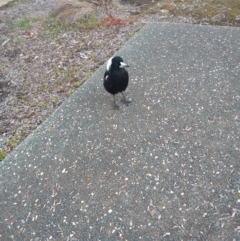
pixel 109 63
pixel 122 65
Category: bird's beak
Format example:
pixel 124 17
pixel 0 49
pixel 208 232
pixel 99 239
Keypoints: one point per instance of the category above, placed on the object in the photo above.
pixel 122 65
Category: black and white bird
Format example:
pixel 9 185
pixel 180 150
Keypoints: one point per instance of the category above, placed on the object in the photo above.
pixel 116 78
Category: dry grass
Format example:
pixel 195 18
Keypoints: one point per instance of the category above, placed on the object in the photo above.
pixel 72 12
pixel 110 21
pixel 220 12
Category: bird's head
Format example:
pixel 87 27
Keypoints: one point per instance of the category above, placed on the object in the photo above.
pixel 116 63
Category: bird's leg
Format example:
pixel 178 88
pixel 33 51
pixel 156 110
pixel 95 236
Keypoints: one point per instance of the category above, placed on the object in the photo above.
pixel 114 103
pixel 125 101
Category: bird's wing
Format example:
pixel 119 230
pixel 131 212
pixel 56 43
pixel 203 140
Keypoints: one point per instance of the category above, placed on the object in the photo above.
pixel 106 75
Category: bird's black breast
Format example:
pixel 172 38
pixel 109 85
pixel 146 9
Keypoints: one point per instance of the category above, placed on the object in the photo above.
pixel 116 81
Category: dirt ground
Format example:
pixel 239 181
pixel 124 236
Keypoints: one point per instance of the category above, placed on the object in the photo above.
pixel 43 61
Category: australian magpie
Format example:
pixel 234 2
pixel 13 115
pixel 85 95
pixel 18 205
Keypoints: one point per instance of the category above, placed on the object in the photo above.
pixel 116 78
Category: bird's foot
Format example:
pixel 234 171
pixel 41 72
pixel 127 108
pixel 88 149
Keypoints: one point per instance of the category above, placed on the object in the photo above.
pixel 125 101
pixel 115 106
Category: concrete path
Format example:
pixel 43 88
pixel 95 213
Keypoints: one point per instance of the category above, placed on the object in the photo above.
pixel 165 168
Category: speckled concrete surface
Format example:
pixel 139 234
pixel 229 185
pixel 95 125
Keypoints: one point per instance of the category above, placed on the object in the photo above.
pixel 164 168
